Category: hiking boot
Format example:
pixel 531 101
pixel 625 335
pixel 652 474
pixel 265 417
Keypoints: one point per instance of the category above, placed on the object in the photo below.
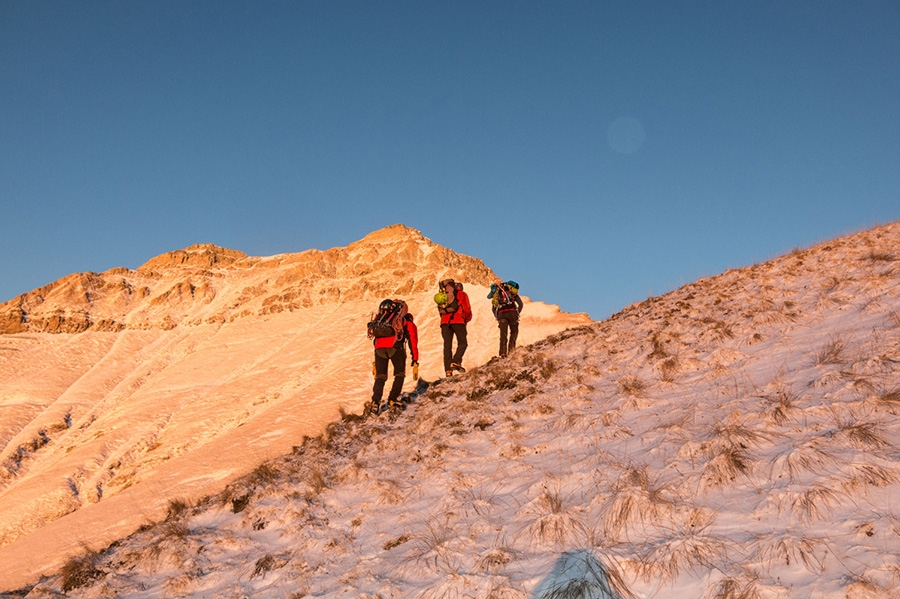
pixel 457 367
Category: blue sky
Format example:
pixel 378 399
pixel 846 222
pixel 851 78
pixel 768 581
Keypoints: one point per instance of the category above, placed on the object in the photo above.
pixel 596 152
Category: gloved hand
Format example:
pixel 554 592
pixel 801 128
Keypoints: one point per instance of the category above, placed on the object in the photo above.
pixel 415 365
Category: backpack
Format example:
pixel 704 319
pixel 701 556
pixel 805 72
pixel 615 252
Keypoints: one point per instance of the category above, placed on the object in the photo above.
pixel 447 302
pixel 388 321
pixel 504 297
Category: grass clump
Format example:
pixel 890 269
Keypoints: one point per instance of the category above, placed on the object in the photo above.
pixel 80 571
pixel 631 385
pixel 580 575
pixel 831 353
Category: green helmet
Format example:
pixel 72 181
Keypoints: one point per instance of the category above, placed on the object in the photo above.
pixel 440 298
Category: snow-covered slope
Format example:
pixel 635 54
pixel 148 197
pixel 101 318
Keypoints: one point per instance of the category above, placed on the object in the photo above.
pixel 122 390
pixel 736 438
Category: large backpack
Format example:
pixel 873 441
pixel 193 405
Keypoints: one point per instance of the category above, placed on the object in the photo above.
pixel 447 303
pixel 504 299
pixel 388 321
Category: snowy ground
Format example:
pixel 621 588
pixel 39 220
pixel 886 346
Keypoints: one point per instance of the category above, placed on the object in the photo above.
pixel 736 438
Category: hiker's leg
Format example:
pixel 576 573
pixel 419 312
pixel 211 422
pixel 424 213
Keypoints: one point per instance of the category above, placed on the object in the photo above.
pixel 461 343
pixel 504 325
pixel 513 331
pixel 447 335
pixel 399 362
pixel 381 374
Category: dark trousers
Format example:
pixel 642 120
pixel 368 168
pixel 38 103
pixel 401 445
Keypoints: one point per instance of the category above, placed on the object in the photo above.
pixel 397 357
pixel 508 320
pixel 447 332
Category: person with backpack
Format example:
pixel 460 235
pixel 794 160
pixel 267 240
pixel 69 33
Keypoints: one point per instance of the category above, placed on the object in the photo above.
pixel 506 306
pixel 391 329
pixel 456 312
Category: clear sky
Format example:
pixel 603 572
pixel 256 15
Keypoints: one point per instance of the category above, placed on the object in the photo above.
pixel 596 152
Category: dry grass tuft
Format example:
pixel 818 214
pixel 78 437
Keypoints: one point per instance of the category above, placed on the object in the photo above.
pixel 389 492
pixel 736 431
pixel 685 549
pixel 894 320
pixel 395 542
pixel 780 404
pixel 877 256
pixel 718 330
pixel 436 546
pixel 494 559
pixel 538 362
pixel 482 499
pixel 889 399
pixel 172 536
pixel 658 351
pixel 317 482
pixel 631 385
pixel 265 474
pixel 636 500
pixel 861 588
pixel 727 448
pixel 831 353
pixel 738 588
pixel 864 435
pixel 725 466
pixel 580 575
pixel 868 475
pixel 553 519
pixel 814 503
pixel 265 564
pixel 859 433
pixel 807 457
pixel 785 547
pixel 240 503
pixel 177 509
pixel 80 571
pixel 669 369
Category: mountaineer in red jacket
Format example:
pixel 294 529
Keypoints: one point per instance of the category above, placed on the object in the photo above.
pixel 456 312
pixel 391 329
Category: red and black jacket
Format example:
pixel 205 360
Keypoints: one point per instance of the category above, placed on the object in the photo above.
pixel 410 334
pixel 463 313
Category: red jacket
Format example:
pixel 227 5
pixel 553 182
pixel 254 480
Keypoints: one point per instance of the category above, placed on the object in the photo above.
pixel 463 313
pixel 411 335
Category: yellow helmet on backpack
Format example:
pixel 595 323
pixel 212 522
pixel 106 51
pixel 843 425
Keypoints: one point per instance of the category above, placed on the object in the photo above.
pixel 440 298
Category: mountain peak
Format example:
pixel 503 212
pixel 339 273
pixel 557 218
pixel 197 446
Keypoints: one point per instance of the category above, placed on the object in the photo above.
pixel 394 233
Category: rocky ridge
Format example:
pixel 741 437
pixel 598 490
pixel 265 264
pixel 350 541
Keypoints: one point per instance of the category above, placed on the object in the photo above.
pixel 196 284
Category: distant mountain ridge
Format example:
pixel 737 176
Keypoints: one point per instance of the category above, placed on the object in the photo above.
pixel 185 286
